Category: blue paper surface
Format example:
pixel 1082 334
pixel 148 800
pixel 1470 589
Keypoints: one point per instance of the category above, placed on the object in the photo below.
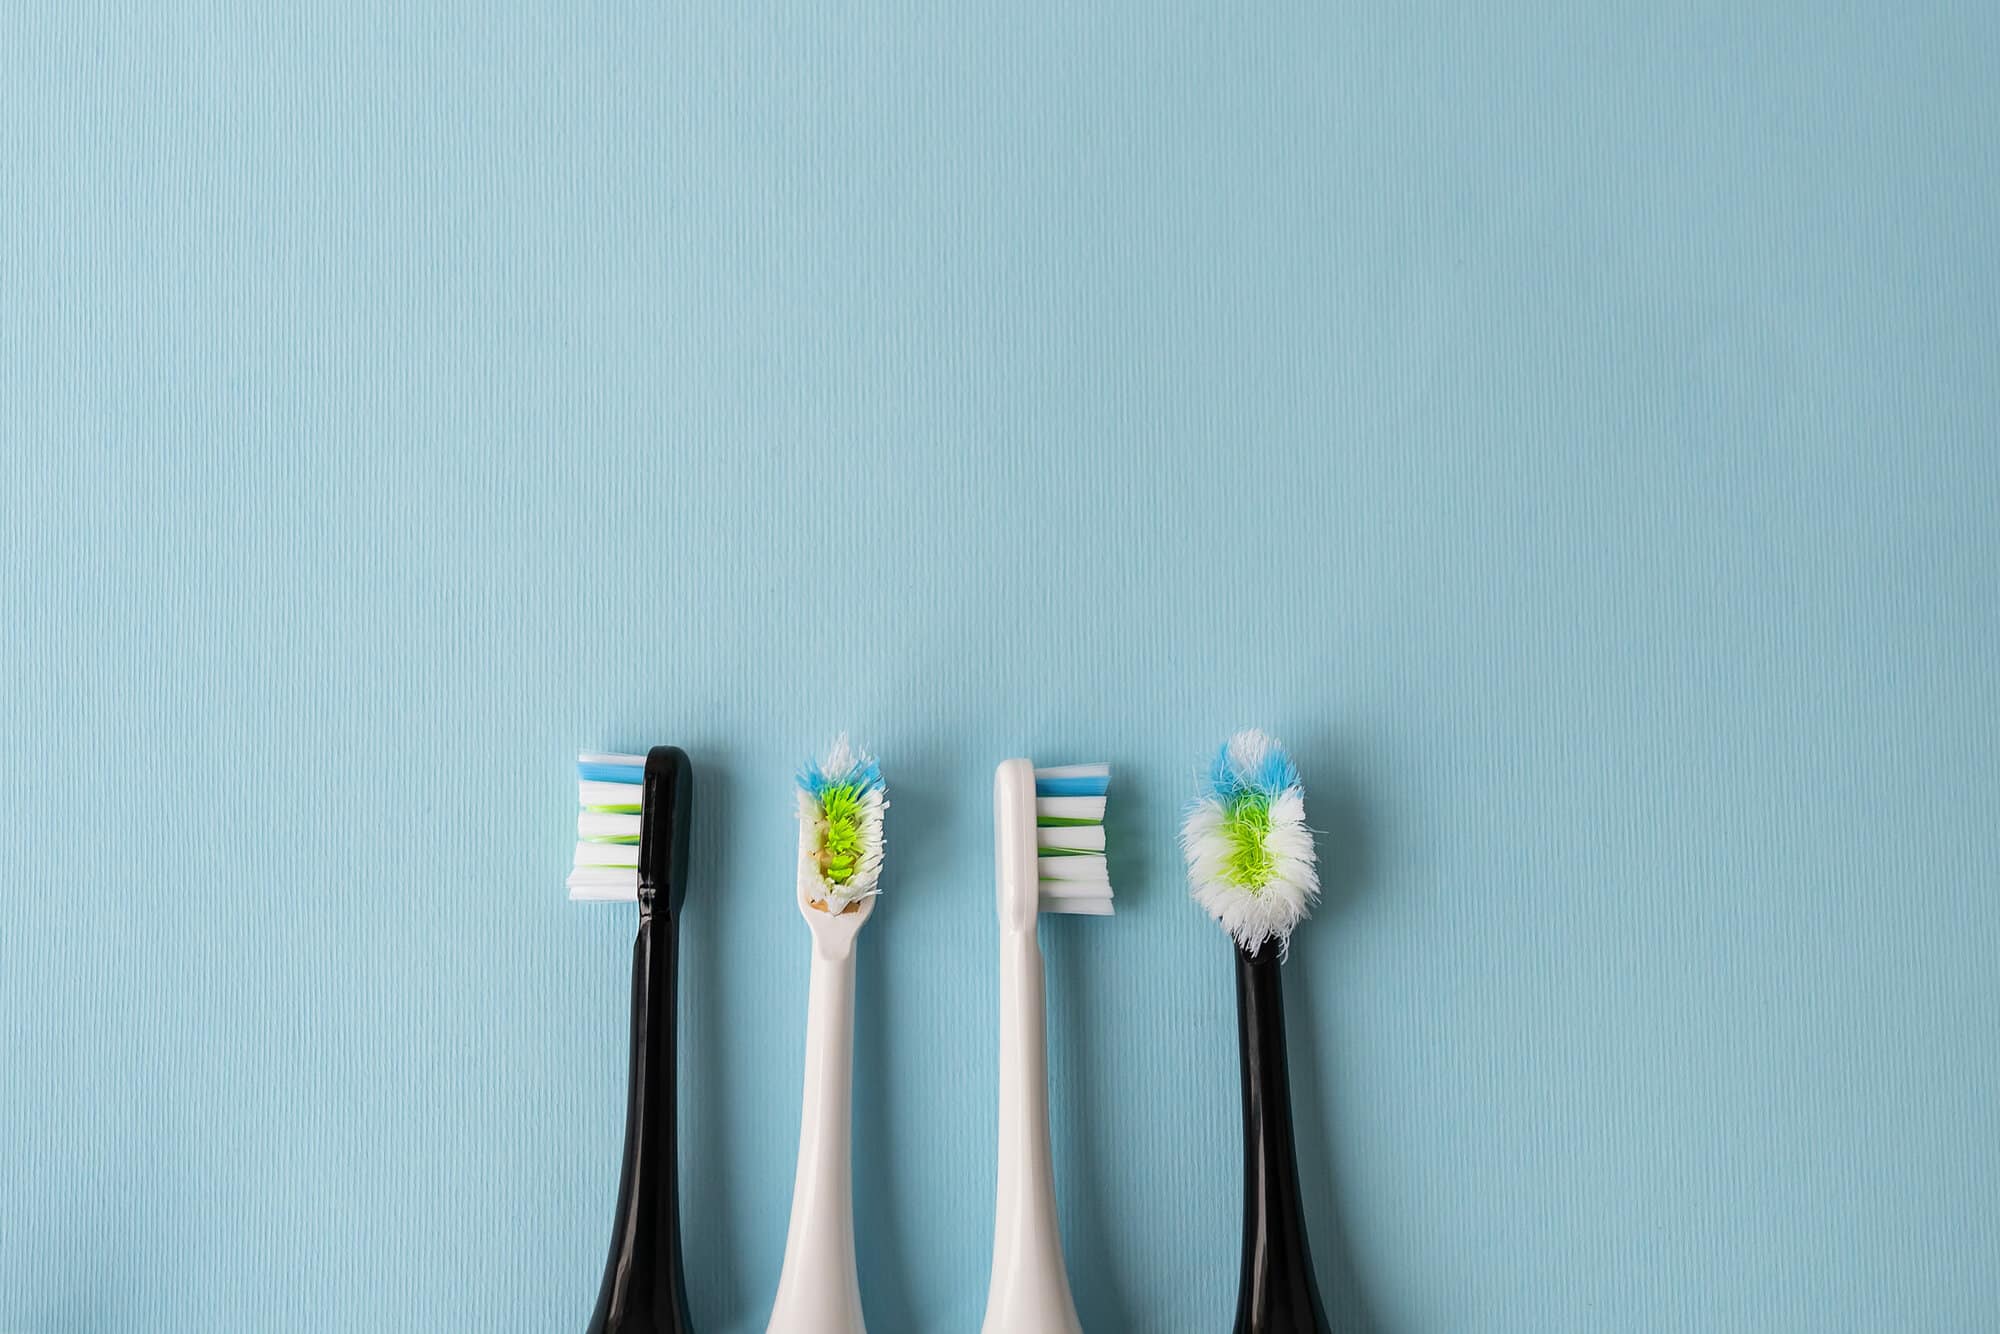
pixel 1574 428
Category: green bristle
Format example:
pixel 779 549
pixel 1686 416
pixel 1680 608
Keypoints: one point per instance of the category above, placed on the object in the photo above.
pixel 1247 824
pixel 840 847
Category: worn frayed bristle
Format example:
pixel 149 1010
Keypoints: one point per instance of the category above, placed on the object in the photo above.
pixel 1249 854
pixel 841 803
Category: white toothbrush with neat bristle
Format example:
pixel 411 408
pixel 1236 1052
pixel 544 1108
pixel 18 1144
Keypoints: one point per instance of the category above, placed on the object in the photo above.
pixel 1048 836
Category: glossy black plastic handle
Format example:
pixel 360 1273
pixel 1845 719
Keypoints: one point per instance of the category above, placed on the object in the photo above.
pixel 645 1287
pixel 1276 1292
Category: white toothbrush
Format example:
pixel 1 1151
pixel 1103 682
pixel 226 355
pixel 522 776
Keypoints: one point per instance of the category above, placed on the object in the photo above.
pixel 1048 848
pixel 841 801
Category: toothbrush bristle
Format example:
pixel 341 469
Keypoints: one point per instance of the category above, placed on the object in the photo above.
pixel 1073 780
pixel 1069 810
pixel 602 768
pixel 1069 839
pixel 1076 838
pixel 1249 854
pixel 1077 867
pixel 610 789
pixel 622 798
pixel 590 853
pixel 607 827
pixel 841 802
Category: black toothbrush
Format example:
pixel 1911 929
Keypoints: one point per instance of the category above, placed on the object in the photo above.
pixel 1250 862
pixel 645 1285
pixel 1276 1293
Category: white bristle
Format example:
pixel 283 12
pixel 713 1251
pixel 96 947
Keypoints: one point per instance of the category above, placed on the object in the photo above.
pixel 590 793
pixel 1089 906
pixel 1075 771
pixel 602 824
pixel 607 854
pixel 609 757
pixel 1069 808
pixel 603 884
pixel 1099 888
pixel 1072 868
pixel 1076 837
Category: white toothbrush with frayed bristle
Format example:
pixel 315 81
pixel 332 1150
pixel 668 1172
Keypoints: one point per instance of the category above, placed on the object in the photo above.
pixel 1048 833
pixel 840 805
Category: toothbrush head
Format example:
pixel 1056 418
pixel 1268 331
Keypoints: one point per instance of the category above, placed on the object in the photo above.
pixel 632 833
pixel 841 801
pixel 1049 832
pixel 1249 854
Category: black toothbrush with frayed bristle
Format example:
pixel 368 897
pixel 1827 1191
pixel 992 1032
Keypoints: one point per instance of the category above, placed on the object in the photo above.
pixel 1250 862
pixel 1276 1293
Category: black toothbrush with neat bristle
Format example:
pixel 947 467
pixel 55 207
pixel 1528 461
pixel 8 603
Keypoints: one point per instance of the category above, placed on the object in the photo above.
pixel 645 1285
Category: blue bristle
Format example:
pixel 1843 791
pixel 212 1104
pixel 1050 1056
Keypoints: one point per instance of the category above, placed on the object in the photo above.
pixel 865 774
pixel 610 773
pixel 1095 785
pixel 1274 775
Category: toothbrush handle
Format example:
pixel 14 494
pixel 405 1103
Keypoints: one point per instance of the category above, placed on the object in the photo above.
pixel 819 1290
pixel 1029 1290
pixel 645 1289
pixel 1276 1292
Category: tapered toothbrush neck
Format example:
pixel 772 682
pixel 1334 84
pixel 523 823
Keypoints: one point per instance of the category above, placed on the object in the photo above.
pixel 830 1036
pixel 819 1288
pixel 1028 1290
pixel 1277 1293
pixel 644 1289
pixel 1024 1060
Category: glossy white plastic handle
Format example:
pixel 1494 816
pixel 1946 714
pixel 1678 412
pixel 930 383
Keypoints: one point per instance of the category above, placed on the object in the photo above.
pixel 1029 1289
pixel 819 1290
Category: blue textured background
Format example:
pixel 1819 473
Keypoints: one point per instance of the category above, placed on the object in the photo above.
pixel 1573 426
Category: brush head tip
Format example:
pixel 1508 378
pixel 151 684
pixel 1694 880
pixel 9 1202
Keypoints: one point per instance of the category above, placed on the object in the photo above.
pixel 1248 851
pixel 841 801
